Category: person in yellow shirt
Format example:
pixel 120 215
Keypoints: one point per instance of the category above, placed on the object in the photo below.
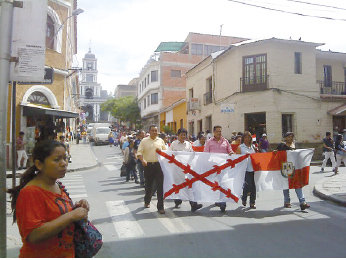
pixel 146 153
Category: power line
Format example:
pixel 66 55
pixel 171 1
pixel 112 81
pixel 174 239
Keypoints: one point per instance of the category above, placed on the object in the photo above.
pixel 308 3
pixel 288 12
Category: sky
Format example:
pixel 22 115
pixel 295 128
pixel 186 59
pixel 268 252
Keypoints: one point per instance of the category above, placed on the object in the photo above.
pixel 123 34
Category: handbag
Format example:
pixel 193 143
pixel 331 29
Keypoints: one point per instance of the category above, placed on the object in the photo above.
pixel 87 239
pixel 123 170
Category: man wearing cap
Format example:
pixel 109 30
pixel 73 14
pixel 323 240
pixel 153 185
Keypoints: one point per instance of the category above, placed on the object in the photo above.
pixel 146 153
pixel 328 151
pixel 288 145
pixel 263 144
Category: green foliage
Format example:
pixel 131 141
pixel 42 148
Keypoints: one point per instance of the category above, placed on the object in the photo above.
pixel 125 109
pixel 167 129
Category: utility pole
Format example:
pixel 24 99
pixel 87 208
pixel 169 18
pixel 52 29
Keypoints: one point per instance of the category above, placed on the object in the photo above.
pixel 5 51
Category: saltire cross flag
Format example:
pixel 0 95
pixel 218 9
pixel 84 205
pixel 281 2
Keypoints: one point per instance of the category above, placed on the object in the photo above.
pixel 202 177
pixel 282 170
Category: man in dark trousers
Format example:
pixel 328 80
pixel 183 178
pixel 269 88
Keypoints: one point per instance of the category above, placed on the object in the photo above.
pixel 328 151
pixel 146 153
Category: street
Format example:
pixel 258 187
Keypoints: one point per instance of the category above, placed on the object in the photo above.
pixel 130 230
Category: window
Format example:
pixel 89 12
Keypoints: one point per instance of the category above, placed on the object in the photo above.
pixel 89 78
pixel 208 124
pixel 50 33
pixel 208 49
pixel 38 98
pixel 175 73
pixel 154 98
pixel 154 76
pixel 209 91
pixel 145 103
pixel 254 72
pixel 190 93
pixel 287 123
pixel 144 83
pixel 140 87
pixel 196 49
pixel 148 102
pixel 327 71
pixel 148 79
pixel 89 66
pixel 181 123
pixel 298 63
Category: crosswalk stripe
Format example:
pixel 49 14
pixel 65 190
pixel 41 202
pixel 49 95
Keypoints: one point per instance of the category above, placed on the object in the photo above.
pixel 170 221
pixel 124 223
pixel 73 196
pixel 111 167
pixel 76 187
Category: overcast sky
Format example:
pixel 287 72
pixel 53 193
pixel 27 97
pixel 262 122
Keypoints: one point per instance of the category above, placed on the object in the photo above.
pixel 124 33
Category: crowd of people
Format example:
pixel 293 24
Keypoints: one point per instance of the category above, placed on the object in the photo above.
pixel 140 157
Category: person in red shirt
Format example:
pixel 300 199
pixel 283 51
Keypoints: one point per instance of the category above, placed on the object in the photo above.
pixel 43 211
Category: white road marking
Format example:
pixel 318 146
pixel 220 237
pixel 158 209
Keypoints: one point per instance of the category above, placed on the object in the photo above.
pixel 170 221
pixel 124 223
pixel 111 167
pixel 73 196
pixel 76 187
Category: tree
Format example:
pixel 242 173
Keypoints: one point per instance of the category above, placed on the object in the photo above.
pixel 125 109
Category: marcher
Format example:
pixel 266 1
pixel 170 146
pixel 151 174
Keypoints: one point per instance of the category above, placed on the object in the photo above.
pixel 234 135
pixel 340 152
pixel 328 151
pixel 130 161
pixel 152 170
pixel 140 136
pixel 21 153
pixel 200 141
pixel 111 138
pixel 182 145
pixel 43 211
pixel 289 145
pixel 249 185
pixel 263 144
pixel 67 145
pixel 218 144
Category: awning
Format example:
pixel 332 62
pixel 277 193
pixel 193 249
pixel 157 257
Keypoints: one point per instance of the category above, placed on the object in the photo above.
pixel 31 110
pixel 338 111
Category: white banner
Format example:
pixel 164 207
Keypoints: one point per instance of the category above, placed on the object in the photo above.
pixel 203 177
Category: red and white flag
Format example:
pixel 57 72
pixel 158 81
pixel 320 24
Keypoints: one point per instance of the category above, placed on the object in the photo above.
pixel 203 177
pixel 282 170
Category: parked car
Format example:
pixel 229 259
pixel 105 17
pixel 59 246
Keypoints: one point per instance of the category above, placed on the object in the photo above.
pixel 100 134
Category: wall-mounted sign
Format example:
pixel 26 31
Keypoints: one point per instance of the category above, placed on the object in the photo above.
pixel 227 108
pixel 48 78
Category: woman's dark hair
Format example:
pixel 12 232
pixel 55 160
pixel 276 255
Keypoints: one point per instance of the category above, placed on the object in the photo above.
pixel 246 133
pixel 41 151
pixel 200 136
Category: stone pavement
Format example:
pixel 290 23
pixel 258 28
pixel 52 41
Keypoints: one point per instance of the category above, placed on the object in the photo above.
pixel 83 158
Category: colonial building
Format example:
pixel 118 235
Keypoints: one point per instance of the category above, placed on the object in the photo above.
pixel 162 80
pixel 269 86
pixel 45 109
pixel 91 93
pixel 125 91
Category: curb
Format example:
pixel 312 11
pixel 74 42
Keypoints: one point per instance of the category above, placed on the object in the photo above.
pixel 320 192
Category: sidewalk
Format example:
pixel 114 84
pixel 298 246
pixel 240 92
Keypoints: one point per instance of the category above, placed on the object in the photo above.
pixel 83 158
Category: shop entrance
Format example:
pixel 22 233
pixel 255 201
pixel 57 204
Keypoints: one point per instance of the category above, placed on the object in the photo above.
pixel 256 124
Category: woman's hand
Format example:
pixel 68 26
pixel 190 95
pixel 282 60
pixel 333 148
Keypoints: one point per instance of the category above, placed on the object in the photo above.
pixel 79 214
pixel 83 204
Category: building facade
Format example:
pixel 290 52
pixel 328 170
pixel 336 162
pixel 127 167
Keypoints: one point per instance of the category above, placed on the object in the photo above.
pixel 162 80
pixel 269 86
pixel 125 91
pixel 91 93
pixel 44 110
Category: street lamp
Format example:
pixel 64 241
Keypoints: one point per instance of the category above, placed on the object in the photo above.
pixel 74 13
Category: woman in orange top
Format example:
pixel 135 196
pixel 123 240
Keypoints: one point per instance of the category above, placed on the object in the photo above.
pixel 43 211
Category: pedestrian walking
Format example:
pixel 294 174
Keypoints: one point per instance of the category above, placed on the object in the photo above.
pixel 111 139
pixel 218 144
pixel 21 153
pixel 249 188
pixel 183 145
pixel 139 137
pixel 130 161
pixel 289 145
pixel 328 151
pixel 43 211
pixel 340 152
pixel 152 170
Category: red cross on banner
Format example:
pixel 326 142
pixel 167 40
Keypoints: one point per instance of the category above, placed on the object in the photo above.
pixel 203 177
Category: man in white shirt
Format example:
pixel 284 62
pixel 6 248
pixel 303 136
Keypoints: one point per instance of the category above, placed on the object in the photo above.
pixel 182 145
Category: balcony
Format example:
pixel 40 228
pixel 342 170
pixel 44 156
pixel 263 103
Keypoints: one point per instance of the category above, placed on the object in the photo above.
pixel 331 87
pixel 208 98
pixel 193 104
pixel 254 84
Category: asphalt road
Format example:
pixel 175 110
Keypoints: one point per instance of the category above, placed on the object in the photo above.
pixel 130 230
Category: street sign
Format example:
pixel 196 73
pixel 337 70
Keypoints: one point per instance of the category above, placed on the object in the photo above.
pixel 227 108
pixel 48 78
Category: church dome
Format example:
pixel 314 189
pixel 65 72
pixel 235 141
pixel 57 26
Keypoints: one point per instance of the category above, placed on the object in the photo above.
pixel 89 55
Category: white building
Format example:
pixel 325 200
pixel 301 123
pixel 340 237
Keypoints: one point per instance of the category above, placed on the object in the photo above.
pixel 91 93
